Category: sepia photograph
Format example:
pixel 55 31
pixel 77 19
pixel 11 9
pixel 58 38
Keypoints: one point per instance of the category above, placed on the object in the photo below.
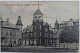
pixel 39 26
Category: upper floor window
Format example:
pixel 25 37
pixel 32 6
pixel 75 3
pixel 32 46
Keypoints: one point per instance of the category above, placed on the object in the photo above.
pixel 40 33
pixel 46 29
pixel 2 31
pixel 40 27
pixel 46 34
pixel 35 27
pixel 50 41
pixel 5 40
pixel 31 35
pixel 34 33
pixel 14 33
pixel 50 35
pixel 35 17
pixel 10 33
pixel 39 16
pixel 6 33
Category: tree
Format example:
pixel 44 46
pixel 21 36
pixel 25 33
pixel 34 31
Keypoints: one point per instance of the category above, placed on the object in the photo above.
pixel 70 34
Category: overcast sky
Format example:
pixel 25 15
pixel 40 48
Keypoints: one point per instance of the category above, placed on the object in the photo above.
pixel 51 11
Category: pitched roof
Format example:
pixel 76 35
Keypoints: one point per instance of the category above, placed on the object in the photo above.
pixel 30 27
pixel 38 12
pixel 9 25
pixel 65 22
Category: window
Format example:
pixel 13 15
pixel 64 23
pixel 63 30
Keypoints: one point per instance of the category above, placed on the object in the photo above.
pixel 31 35
pixel 1 40
pixel 10 33
pixel 2 31
pixel 34 33
pixel 14 33
pixel 40 41
pixel 46 41
pixel 10 40
pixel 50 41
pixel 45 34
pixel 35 17
pixel 35 27
pixel 50 35
pixel 40 33
pixel 39 16
pixel 46 29
pixel 6 33
pixel 5 40
pixel 27 35
pixel 40 27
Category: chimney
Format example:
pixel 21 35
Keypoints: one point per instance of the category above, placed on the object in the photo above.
pixel 7 21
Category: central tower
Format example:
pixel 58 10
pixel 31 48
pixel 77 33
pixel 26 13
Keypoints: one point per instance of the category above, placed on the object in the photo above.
pixel 37 26
pixel 38 16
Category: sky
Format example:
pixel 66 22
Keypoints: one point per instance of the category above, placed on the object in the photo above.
pixel 62 10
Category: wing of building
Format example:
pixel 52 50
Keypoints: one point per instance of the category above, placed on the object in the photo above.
pixel 10 33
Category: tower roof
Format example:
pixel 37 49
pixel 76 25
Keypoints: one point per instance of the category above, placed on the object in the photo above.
pixel 38 12
pixel 19 22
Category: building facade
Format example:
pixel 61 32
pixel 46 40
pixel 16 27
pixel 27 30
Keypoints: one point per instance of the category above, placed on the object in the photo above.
pixel 10 33
pixel 39 33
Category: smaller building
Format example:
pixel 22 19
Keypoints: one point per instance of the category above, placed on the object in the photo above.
pixel 10 33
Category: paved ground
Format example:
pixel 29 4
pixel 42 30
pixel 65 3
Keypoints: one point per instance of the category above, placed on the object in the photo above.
pixel 36 49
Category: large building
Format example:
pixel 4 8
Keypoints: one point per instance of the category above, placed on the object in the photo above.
pixel 39 33
pixel 10 33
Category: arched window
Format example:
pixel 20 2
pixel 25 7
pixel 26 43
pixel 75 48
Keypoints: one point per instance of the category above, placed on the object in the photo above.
pixel 70 24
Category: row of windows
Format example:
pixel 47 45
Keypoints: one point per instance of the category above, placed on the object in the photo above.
pixel 7 33
pixel 50 41
pixel 37 17
pixel 35 27
pixel 46 29
pixel 46 35
pixel 51 35
pixel 6 41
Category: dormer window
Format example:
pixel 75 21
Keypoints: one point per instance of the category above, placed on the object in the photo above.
pixel 35 17
pixel 70 24
pixel 39 16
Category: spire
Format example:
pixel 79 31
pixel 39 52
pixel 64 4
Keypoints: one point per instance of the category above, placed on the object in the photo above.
pixel 38 4
pixel 38 12
pixel 19 22
pixel 56 20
